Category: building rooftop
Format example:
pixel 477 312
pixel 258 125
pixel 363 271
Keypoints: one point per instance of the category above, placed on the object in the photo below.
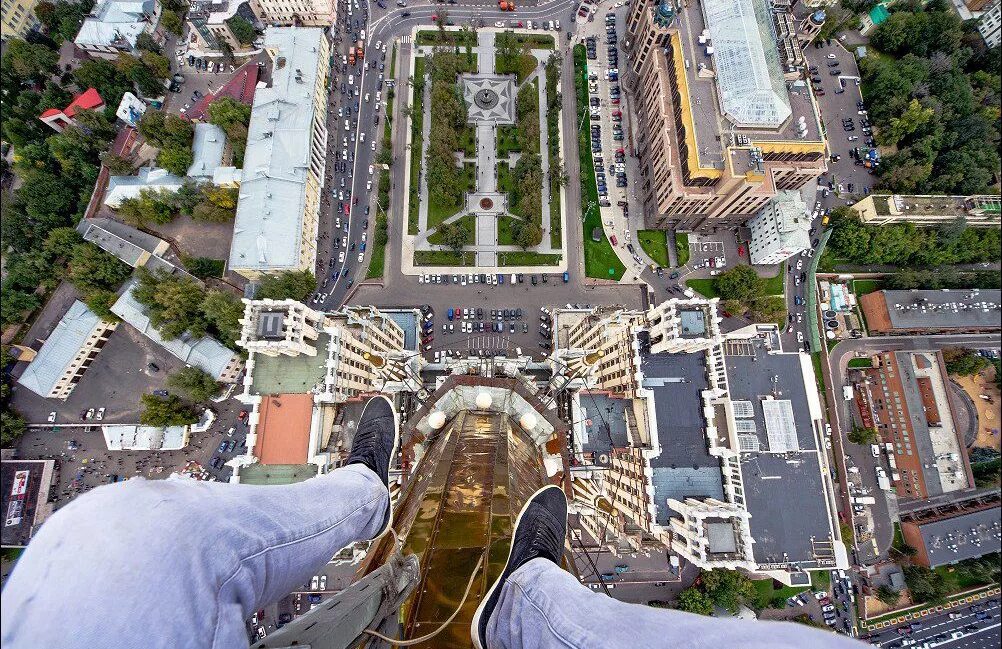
pixel 207 150
pixel 116 22
pixel 240 87
pixel 59 349
pixel 24 490
pixel 268 228
pixel 276 474
pixel 969 535
pixel 87 100
pixel 722 98
pixel 943 309
pixel 123 187
pixel 783 483
pixel 205 353
pixel 290 374
pixel 605 425
pixel 124 241
pixel 408 321
pixel 283 429
pixel 127 437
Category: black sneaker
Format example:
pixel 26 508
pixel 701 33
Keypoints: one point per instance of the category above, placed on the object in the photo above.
pixel 540 530
pixel 375 444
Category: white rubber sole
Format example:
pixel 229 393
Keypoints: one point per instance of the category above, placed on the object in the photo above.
pixel 393 453
pixel 475 625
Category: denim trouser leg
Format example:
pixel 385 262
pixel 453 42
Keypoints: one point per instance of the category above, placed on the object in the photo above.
pixel 180 563
pixel 543 606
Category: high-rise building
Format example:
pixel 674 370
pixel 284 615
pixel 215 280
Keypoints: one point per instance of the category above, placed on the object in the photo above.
pixel 780 230
pixel 990 24
pixel 709 444
pixel 18 18
pixel 722 125
pixel 308 13
pixel 278 208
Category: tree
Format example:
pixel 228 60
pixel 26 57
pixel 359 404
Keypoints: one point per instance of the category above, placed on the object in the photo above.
pixel 196 384
pixel 12 426
pixel 150 206
pixel 202 267
pixel 100 302
pixel 453 235
pixel 925 585
pixel 727 588
pixel 92 269
pixel 29 61
pixel 102 75
pixel 174 303
pixel 294 285
pixel 147 81
pixel 739 283
pixel 223 311
pixel 157 64
pixel 692 600
pixel 171 22
pixel 13 305
pixel 176 159
pixel 117 165
pixel 859 435
pixel 147 43
pixel 242 30
pixel 964 362
pixel 164 129
pixel 212 213
pixel 888 595
pixel 166 411
pixel 440 20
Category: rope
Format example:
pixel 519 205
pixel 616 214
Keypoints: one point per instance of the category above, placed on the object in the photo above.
pixel 425 638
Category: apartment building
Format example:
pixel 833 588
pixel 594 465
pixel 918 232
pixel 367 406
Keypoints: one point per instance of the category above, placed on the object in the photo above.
pixel 905 398
pixel 721 128
pixel 990 24
pixel 927 311
pixel 780 230
pixel 967 527
pixel 308 13
pixel 209 26
pixel 712 448
pixel 17 18
pixel 67 353
pixel 114 25
pixel 278 208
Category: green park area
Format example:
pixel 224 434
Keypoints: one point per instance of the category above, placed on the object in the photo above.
pixel 443 258
pixel 417 146
pixel 655 244
pixel 682 248
pixel 456 234
pixel 743 292
pixel 458 38
pixel 527 258
pixel 601 261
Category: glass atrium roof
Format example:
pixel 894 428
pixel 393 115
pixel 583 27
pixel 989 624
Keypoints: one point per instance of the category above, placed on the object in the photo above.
pixel 749 78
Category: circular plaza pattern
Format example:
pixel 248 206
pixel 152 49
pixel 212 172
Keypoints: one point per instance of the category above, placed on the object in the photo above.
pixel 486 98
pixel 486 203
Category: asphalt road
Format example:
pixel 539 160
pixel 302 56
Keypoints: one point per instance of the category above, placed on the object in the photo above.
pixel 385 26
pixel 938 630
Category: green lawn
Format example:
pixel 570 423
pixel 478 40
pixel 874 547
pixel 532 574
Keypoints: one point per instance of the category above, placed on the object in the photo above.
pixel 523 67
pixel 768 596
pixel 535 41
pixel 527 258
pixel 438 211
pixel 556 235
pixel 774 284
pixel 507 140
pixel 864 286
pixel 655 244
pixel 505 237
pixel 417 122
pixel 600 259
pixel 443 258
pixel 682 248
pixel 430 37
pixel 468 140
pixel 705 287
pixel 377 262
pixel 860 363
pixel 468 223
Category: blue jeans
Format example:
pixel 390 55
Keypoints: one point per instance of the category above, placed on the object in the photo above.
pixel 179 563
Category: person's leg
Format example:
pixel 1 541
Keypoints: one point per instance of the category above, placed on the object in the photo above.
pixel 543 606
pixel 182 563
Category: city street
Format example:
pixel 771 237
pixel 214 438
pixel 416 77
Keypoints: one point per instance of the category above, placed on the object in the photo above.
pixel 965 631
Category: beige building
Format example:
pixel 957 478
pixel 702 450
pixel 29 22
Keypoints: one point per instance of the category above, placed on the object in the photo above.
pixel 278 208
pixel 18 18
pixel 208 26
pixel 709 444
pixel 721 128
pixel 67 353
pixel 881 209
pixel 308 13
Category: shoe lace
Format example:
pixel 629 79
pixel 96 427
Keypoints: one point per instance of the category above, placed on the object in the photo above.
pixel 545 538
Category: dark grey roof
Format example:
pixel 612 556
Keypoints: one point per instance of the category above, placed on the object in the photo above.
pixel 607 427
pixel 966 536
pixel 408 321
pixel 681 483
pixel 784 492
pixel 270 325
pixel 945 309
pixel 785 498
pixel 677 381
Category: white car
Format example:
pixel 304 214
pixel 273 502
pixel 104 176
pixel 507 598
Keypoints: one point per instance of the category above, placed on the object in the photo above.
pixel 340 257
pixel 379 95
pixel 90 414
pixel 351 79
pixel 363 237
pixel 361 136
pixel 52 416
pixel 361 256
pixel 832 56
pixel 499 24
pixel 323 582
pixel 100 413
pixel 368 185
pixel 379 44
pixel 344 241
pixel 315 583
pixel 373 145
pixel 370 170
pixel 337 223
pixel 366 97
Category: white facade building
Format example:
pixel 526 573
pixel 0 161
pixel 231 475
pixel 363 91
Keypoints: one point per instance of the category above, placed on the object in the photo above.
pixel 990 25
pixel 113 26
pixel 780 230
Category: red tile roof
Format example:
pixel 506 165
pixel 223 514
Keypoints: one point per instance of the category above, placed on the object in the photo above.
pixel 88 100
pixel 240 88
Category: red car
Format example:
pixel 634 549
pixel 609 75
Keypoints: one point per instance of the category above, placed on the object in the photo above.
pixel 347 208
pixel 242 415
pixel 612 240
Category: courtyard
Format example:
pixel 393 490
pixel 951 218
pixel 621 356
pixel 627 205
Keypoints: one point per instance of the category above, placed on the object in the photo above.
pixel 485 178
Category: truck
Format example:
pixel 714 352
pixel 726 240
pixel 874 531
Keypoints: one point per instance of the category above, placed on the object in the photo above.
pixel 875 450
pixel 864 500
pixel 847 392
pixel 882 481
